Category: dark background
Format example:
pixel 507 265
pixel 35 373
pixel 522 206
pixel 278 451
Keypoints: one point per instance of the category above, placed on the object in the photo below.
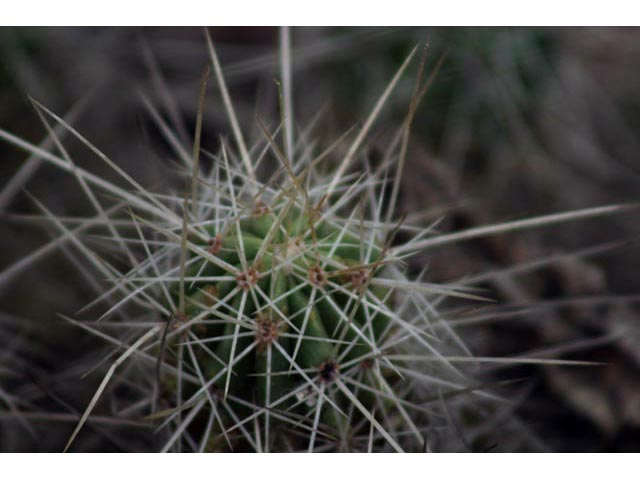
pixel 519 122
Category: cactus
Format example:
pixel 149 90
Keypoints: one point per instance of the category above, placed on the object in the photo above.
pixel 288 320
pixel 288 309
pixel 291 301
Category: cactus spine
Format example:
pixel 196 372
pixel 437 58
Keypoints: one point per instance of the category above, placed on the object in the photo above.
pixel 287 320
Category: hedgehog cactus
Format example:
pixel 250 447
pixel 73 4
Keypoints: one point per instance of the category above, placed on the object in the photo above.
pixel 288 321
pixel 294 309
pixel 281 278
pixel 287 297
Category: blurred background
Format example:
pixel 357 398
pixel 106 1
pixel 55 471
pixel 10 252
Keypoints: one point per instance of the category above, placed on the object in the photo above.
pixel 518 122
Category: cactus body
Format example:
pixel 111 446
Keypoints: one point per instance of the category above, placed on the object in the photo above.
pixel 290 289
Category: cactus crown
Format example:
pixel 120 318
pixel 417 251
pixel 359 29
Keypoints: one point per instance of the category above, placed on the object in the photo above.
pixel 295 310
pixel 286 299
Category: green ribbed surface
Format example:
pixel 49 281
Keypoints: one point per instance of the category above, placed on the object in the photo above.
pixel 297 265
